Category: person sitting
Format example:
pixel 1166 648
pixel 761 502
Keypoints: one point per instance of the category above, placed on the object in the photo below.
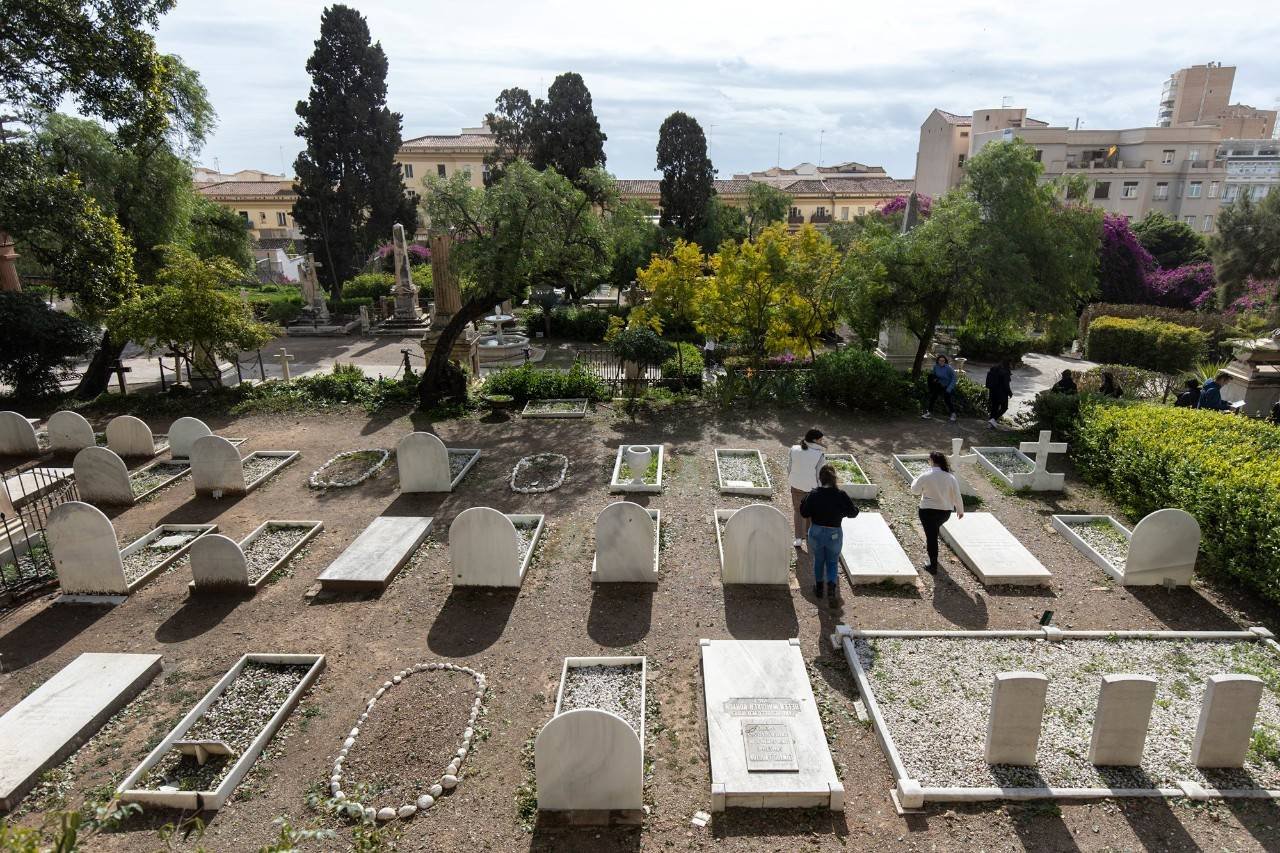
pixel 1110 388
pixel 1065 385
pixel 1190 398
pixel 1211 394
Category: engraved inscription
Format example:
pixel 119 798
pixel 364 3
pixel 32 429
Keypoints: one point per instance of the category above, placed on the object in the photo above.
pixel 761 707
pixel 770 747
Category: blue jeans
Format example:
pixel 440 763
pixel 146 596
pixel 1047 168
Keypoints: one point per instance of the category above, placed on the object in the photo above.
pixel 824 550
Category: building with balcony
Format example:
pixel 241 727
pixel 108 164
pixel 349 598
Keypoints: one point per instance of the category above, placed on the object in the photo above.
pixel 266 208
pixel 444 155
pixel 946 142
pixel 1201 95
pixel 1252 166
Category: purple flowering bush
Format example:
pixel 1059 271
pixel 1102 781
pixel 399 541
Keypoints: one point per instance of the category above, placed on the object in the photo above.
pixel 417 254
pixel 1260 297
pixel 1187 287
pixel 898 205
pixel 1123 263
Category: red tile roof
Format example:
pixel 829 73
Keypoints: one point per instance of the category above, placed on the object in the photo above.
pixel 247 189
pixel 449 142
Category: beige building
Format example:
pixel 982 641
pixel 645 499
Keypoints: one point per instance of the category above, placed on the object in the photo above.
pixel 1201 95
pixel 946 142
pixel 266 206
pixel 203 175
pixel 444 155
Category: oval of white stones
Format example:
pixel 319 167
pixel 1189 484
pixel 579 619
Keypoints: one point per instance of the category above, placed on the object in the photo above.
pixel 316 481
pixel 447 781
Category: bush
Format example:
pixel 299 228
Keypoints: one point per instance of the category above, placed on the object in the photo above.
pixel 1056 334
pixel 1143 342
pixel 691 375
pixel 527 382
pixel 574 323
pixel 861 381
pixel 640 346
pixel 970 397
pixel 371 285
pixel 348 307
pixel 1057 412
pixel 39 346
pixel 993 341
pixel 1212 325
pixel 1136 383
pixel 1221 469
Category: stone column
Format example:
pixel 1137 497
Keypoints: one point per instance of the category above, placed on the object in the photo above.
pixel 1017 708
pixel 1120 723
pixel 8 270
pixel 1226 720
pixel 448 299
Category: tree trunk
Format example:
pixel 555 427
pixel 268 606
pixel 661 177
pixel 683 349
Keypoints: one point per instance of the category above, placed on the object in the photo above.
pixel 435 386
pixel 97 376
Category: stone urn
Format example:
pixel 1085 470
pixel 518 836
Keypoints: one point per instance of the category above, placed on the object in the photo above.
pixel 638 458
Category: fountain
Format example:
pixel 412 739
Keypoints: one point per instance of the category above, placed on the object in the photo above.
pixel 501 347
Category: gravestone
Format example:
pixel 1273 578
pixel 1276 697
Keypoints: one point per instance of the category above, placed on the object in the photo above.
pixel 61 714
pixel 1163 549
pixel 129 437
pixel 484 549
pixel 82 543
pixel 423 461
pixel 216 469
pixel 871 553
pixel 960 462
pixel 1121 720
pixel 1017 709
pixel 626 545
pixel 991 552
pixel 1042 480
pixel 756 547
pixel 183 434
pixel 768 748
pixel 17 436
pixel 588 760
pixel 102 478
pixel 69 432
pixel 372 560
pixel 1225 727
pixel 218 564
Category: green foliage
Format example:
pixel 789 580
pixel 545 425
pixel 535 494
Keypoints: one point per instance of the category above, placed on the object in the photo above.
pixel 688 179
pixel 1136 383
pixel 568 137
pixel 859 380
pixel 349 187
pixel 39 345
pixel 970 397
pixel 642 346
pixel 989 339
pixel 751 387
pixel 749 298
pixel 527 382
pixel 1220 469
pixel 574 322
pixel 345 386
pixel 1171 242
pixel 370 285
pixel 724 222
pixel 684 365
pixel 1211 324
pixel 218 232
pixel 1247 243
pixel 1144 342
pixel 1057 412
pixel 673 282
pixel 766 204
pixel 633 238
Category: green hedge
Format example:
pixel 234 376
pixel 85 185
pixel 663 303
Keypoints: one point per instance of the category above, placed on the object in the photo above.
pixel 1143 342
pixel 574 323
pixel 692 373
pixel 372 285
pixel 860 380
pixel 993 341
pixel 527 382
pixel 1221 469
pixel 1212 325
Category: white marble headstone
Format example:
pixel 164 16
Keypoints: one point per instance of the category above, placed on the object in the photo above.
pixel 484 549
pixel 17 436
pixel 217 563
pixel 69 432
pixel 625 544
pixel 130 437
pixel 102 478
pixel 757 547
pixel 82 543
pixel 1163 549
pixel 216 469
pixel 183 433
pixel 423 461
pixel 588 760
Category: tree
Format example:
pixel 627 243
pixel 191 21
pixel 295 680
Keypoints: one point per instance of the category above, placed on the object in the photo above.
pixel 633 238
pixel 350 192
pixel 525 229
pixel 813 266
pixel 1247 244
pixel 1123 263
pixel 749 296
pixel 40 345
pixel 1170 242
pixel 513 124
pixel 766 204
pixel 191 310
pixel 724 222
pixel 688 179
pixel 672 284
pixel 218 232
pixel 568 136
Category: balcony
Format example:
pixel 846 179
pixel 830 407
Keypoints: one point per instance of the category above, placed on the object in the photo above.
pixel 795 219
pixel 1105 164
pixel 820 218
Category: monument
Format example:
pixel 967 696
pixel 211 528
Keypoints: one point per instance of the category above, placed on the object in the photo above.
pixel 315 318
pixel 406 317
pixel 1255 375
pixel 446 304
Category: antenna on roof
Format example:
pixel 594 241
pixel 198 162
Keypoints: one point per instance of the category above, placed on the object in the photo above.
pixel 217 165
pixel 1004 101
pixel 821 134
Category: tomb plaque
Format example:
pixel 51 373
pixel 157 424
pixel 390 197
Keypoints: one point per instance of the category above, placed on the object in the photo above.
pixel 770 747
pixel 761 707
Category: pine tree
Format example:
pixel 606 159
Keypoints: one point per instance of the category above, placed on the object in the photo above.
pixel 688 179
pixel 349 185
pixel 567 135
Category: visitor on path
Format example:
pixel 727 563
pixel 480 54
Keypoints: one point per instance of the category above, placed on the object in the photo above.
pixel 1190 398
pixel 1211 393
pixel 1110 388
pixel 999 390
pixel 1066 385
pixel 939 492
pixel 802 475
pixel 942 382
pixel 825 507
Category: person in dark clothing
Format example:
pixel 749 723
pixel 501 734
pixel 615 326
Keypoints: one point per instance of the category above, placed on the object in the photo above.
pixel 1211 394
pixel 825 507
pixel 1190 398
pixel 1275 413
pixel 999 390
pixel 1110 388
pixel 941 382
pixel 1065 385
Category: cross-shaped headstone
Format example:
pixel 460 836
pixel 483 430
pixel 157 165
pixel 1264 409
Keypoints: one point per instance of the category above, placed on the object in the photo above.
pixel 957 459
pixel 120 370
pixel 285 357
pixel 1042 480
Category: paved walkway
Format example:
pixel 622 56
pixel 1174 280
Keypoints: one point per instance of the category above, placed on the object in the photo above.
pixel 1037 373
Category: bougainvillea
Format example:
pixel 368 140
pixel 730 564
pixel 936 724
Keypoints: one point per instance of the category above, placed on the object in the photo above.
pixel 417 254
pixel 1260 295
pixel 1123 263
pixel 1185 287
pixel 924 204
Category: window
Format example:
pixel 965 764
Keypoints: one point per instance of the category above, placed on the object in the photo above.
pixel 440 170
pixel 820 212
pixel 1162 191
pixel 1213 189
pixel 861 210
pixel 466 170
pixel 1230 193
pixel 282 218
pixel 1190 220
pixel 1193 155
pixel 795 214
pixel 960 162
pixel 408 170
pixel 1129 190
pixel 1102 189
pixel 964 134
pixel 1208 224
pixel 248 223
pixel 1193 189
pixel 1166 156
pixel 844 213
pixel 262 216
pixel 484 174
pixel 1039 155
pixel 1259 191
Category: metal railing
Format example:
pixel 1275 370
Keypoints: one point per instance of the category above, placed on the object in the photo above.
pixel 31 492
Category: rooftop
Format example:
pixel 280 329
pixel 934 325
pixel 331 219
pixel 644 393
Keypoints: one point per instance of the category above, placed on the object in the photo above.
pixel 247 189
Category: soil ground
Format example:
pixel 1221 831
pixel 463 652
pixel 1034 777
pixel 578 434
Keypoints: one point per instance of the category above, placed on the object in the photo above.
pixel 520 638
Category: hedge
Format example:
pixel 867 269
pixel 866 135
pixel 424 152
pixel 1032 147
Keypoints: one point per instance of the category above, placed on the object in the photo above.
pixel 860 380
pixel 691 375
pixel 1211 324
pixel 1143 342
pixel 1221 469
pixel 993 341
pixel 527 382
pixel 574 323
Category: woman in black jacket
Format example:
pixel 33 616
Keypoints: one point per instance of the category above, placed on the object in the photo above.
pixel 826 506
pixel 999 390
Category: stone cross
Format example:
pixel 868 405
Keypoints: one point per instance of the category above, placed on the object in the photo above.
pixel 957 459
pixel 1041 478
pixel 311 295
pixel 285 357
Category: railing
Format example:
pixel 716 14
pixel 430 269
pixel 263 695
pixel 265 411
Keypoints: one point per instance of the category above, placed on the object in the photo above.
pixel 31 491
pixel 795 219
pixel 610 369
pixel 820 218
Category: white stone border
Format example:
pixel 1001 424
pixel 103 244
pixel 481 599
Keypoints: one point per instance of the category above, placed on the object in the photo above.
pixel 1020 480
pixel 580 412
pixel 287 457
pixel 616 485
pixel 315 482
pixel 447 781
pixel 537 490
pixel 1064 523
pixel 466 469
pixel 312 530
pixel 164 483
pixel 908 794
pixel 867 491
pixel 159 532
pixel 766 489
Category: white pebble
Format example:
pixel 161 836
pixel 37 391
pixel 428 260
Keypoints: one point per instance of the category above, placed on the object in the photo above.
pixel 469 734
pixel 363 717
pixel 406 812
pixel 369 814
pixel 462 752
pixel 349 742
pixel 339 794
pixel 334 788
pixel 425 802
pixel 386 813
pixel 396 680
pixel 436 790
pixel 378 695
pixel 448 781
pixel 386 685
pixel 355 732
pixel 336 777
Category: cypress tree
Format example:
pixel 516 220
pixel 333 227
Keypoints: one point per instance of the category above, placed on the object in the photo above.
pixel 567 136
pixel 687 175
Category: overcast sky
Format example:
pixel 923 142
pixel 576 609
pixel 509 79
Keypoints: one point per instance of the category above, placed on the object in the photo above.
pixel 855 79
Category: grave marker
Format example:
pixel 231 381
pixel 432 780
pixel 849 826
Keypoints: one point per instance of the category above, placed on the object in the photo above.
pixel 129 437
pixel 17 436
pixel 217 563
pixel 755 547
pixel 1041 479
pixel 1121 720
pixel 1017 709
pixel 484 548
pixel 82 543
pixel 423 462
pixel 183 434
pixel 102 478
pixel 872 554
pixel 1226 720
pixel 1163 549
pixel 284 357
pixel 626 544
pixel 991 552
pixel 216 469
pixel 69 432
pixel 372 560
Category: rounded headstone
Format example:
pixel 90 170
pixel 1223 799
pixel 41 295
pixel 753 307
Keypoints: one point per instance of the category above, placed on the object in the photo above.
pixel 128 436
pixel 69 432
pixel 757 546
pixel 183 433
pixel 624 544
pixel 588 759
pixel 484 549
pixel 423 461
pixel 102 478
pixel 216 467
pixel 217 563
pixel 82 543
pixel 17 436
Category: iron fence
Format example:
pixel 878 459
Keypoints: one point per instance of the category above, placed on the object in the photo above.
pixel 30 493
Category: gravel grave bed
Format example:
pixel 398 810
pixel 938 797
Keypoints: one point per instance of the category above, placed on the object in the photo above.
pixel 558 406
pixel 35 563
pixel 143 560
pixel 625 474
pixel 235 718
pixel 148 479
pixel 524 537
pixel 458 460
pixel 543 472
pixel 742 466
pixel 409 739
pixel 1009 462
pixel 915 467
pixel 848 472
pixel 260 466
pixel 1102 537
pixel 612 688
pixel 935 695
pixel 270 546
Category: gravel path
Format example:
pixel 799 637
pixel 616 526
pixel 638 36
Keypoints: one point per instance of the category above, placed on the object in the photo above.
pixel 269 547
pixel 1102 536
pixel 742 466
pixel 259 466
pixel 1009 462
pixel 610 688
pixel 143 560
pixel 935 695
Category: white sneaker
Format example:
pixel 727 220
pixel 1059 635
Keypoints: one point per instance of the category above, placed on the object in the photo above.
pixel 799 543
pixel 991 423
pixel 927 415
pixel 953 418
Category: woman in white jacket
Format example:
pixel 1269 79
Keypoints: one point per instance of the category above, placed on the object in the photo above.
pixel 939 492
pixel 802 475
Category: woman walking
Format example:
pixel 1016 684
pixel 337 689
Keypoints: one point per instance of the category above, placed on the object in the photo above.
pixel 826 506
pixel 942 382
pixel 802 475
pixel 939 492
pixel 999 390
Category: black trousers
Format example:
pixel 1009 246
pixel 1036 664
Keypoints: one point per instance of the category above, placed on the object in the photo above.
pixel 997 406
pixel 936 390
pixel 932 520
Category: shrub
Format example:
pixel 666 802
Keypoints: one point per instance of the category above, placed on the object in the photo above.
pixel 970 397
pixel 1185 287
pixel 1143 342
pixel 993 341
pixel 38 346
pixel 1211 324
pixel 860 380
pixel 348 306
pixel 371 285
pixel 1220 469
pixel 1055 334
pixel 1057 412
pixel 691 374
pixel 640 346
pixel 527 382
pixel 1136 383
pixel 574 323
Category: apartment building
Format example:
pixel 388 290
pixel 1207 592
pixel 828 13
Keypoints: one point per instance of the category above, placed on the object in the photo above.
pixel 946 142
pixel 1201 95
pixel 266 206
pixel 444 155
pixel 1252 166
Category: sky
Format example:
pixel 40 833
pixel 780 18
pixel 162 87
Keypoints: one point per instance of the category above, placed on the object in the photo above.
pixel 769 82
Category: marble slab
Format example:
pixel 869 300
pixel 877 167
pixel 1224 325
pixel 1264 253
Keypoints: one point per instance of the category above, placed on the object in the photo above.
pixel 768 748
pixel 627 540
pixel 61 714
pixel 871 552
pixel 372 560
pixel 991 552
pixel 755 545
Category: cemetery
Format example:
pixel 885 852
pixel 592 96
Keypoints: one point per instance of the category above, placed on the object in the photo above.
pixel 637 468
pixel 348 468
pixel 742 472
pixel 853 480
pixel 220 564
pixel 628 538
pixel 912 465
pixel 426 465
pixel 218 470
pixel 555 409
pixel 1162 548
